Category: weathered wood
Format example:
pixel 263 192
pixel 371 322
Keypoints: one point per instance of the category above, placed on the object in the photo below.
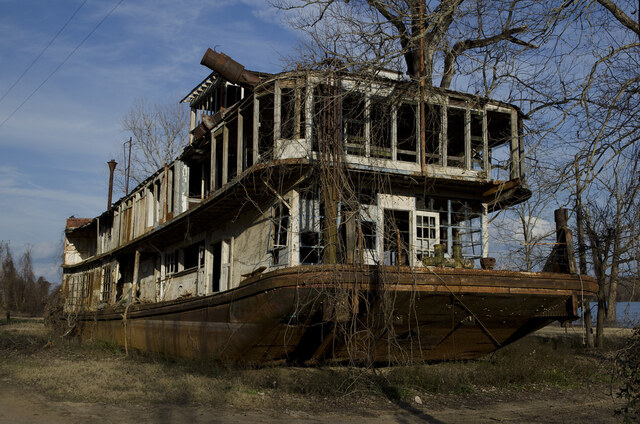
pixel 266 318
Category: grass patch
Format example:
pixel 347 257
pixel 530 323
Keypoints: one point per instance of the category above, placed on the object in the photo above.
pixel 97 371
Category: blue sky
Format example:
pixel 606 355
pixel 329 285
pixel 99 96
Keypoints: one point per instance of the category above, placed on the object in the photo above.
pixel 54 149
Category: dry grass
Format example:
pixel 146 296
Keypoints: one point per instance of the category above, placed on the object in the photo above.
pixel 96 372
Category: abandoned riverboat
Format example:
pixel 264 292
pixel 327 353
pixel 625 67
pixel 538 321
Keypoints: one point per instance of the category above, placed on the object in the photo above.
pixel 318 215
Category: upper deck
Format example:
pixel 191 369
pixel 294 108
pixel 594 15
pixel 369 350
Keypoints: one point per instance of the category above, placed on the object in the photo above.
pixel 471 145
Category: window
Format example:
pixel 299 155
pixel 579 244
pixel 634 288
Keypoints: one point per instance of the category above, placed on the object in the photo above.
pixel 171 262
pixel 396 237
pixel 477 141
pixel 353 123
pixel 171 183
pixel 406 132
pixel 427 229
pixel 106 282
pixel 380 128
pixel 194 255
pixel 222 265
pixel 86 284
pixel 455 137
pixel 366 242
pixel 499 137
pixel 433 127
pixel 279 234
pixel 234 94
pixel 287 113
pixel 265 125
pixel 459 222
pixel 311 247
pixel 467 227
pixel 232 149
pixel 247 136
pixel 219 162
pixel 292 113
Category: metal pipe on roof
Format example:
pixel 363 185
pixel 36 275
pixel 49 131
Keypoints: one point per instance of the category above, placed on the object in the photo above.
pixel 229 69
pixel 112 166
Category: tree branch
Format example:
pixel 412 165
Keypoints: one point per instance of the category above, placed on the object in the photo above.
pixel 461 46
pixel 622 17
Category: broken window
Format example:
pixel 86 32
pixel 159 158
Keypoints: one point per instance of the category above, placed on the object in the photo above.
pixel 455 137
pixel 406 132
pixel 477 140
pixel 219 162
pixel 234 94
pixel 433 127
pixel 171 182
pixel 324 103
pixel 247 136
pixel 396 237
pixel 194 256
pixel 467 227
pixel 460 222
pixel 287 113
pixel 292 113
pixel 195 180
pixel 232 149
pixel 301 114
pixel 366 239
pixel 380 128
pixel 265 125
pixel 353 123
pixel 279 234
pixel 499 140
pixel 157 198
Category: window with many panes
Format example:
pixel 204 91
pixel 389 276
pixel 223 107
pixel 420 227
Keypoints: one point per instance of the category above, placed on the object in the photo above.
pixel 172 262
pixel 106 282
pixel 427 234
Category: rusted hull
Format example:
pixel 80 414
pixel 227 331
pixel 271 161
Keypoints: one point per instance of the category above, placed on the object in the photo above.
pixel 316 313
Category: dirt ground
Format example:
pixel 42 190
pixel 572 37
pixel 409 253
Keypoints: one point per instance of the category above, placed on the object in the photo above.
pixel 19 406
pixel 24 403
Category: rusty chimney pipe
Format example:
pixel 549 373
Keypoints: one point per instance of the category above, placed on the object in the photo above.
pixel 112 167
pixel 229 69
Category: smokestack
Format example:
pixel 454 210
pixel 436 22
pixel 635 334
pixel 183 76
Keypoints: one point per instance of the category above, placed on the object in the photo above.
pixel 229 69
pixel 112 167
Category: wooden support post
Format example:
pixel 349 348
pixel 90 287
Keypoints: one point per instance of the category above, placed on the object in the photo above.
pixel 423 115
pixel 165 204
pixel 134 283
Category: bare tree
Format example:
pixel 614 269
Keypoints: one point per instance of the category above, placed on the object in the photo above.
pixel 605 168
pixel 610 218
pixel 428 39
pixel 524 231
pixel 19 289
pixel 159 132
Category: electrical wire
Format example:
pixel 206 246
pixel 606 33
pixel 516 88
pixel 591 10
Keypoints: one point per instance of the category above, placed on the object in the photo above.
pixel 42 52
pixel 61 63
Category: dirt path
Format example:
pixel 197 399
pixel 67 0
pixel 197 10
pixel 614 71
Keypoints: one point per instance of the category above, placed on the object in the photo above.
pixel 19 406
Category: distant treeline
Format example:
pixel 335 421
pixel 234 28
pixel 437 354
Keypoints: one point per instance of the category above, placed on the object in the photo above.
pixel 20 291
pixel 628 289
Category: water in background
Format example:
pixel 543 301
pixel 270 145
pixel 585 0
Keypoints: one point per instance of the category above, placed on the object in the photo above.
pixel 627 314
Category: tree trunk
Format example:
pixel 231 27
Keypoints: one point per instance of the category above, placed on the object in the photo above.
pixel 613 287
pixel 600 318
pixel 582 259
pixel 613 293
